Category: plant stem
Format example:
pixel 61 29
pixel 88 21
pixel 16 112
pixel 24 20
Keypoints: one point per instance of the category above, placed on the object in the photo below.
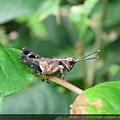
pixel 97 44
pixel 65 84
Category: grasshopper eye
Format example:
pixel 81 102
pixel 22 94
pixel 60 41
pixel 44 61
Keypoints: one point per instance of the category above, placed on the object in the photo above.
pixel 70 59
pixel 60 63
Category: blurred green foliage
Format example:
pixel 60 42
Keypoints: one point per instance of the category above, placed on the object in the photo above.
pixel 61 28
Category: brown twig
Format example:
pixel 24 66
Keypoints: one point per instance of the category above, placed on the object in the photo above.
pixel 65 84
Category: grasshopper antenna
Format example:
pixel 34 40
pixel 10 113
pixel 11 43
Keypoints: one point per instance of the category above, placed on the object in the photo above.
pixel 85 57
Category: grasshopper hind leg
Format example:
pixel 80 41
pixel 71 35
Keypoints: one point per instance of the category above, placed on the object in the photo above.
pixel 30 54
pixel 29 62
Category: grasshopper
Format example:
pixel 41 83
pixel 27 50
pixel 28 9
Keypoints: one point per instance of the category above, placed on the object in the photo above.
pixel 47 66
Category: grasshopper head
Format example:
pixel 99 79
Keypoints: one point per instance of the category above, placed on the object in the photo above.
pixel 70 63
pixel 71 60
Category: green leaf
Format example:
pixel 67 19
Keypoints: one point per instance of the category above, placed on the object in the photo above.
pixel 13 74
pixel 49 7
pixel 101 99
pixel 79 16
pixel 11 9
pixel 112 9
pixel 40 98
pixel 8 8
pixel 112 12
pixel 34 25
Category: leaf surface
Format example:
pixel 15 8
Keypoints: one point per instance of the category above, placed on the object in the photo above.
pixel 13 74
pixel 101 99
